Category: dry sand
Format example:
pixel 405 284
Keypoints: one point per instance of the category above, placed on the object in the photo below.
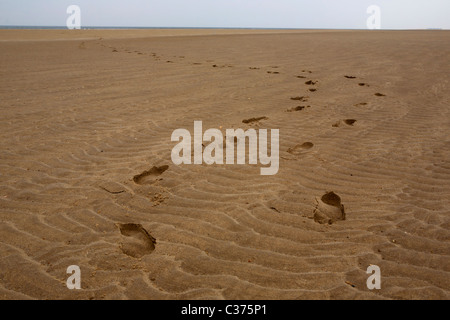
pixel 85 112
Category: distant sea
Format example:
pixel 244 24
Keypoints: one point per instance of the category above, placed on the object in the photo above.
pixel 234 28
pixel 110 28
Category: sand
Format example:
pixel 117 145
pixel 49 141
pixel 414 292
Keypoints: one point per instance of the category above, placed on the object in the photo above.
pixel 86 176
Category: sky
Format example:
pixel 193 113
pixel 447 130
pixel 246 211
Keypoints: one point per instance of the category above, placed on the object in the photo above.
pixel 326 14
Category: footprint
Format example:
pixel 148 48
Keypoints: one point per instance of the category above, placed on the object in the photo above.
pixel 313 90
pixel 301 77
pixel 299 108
pixel 349 122
pixel 254 68
pixel 361 104
pixel 350 77
pixel 302 99
pixel 362 84
pixel 300 148
pixel 329 209
pixel 311 83
pixel 137 242
pixel 252 120
pixel 112 187
pixel 273 72
pixel 380 94
pixel 153 172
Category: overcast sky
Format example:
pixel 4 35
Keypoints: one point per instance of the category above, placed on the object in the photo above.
pixel 340 14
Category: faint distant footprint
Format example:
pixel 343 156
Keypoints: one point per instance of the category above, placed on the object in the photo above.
pixel 253 120
pixel 349 122
pixel 299 108
pixel 137 242
pixel 146 176
pixel 300 148
pixel 302 99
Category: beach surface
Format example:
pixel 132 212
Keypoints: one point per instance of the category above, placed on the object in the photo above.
pixel 86 176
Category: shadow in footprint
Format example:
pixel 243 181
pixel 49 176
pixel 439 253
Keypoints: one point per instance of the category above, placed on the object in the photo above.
pixel 145 177
pixel 350 122
pixel 380 94
pixel 350 77
pixel 329 209
pixel 137 241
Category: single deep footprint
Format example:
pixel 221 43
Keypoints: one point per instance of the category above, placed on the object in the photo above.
pixel 329 209
pixel 350 77
pixel 300 148
pixel 145 177
pixel 137 242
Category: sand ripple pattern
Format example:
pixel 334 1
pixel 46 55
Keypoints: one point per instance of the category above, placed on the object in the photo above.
pixel 86 176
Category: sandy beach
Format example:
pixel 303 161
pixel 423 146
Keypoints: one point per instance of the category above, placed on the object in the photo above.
pixel 86 176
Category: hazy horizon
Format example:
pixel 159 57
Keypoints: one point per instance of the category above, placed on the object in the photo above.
pixel 282 14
